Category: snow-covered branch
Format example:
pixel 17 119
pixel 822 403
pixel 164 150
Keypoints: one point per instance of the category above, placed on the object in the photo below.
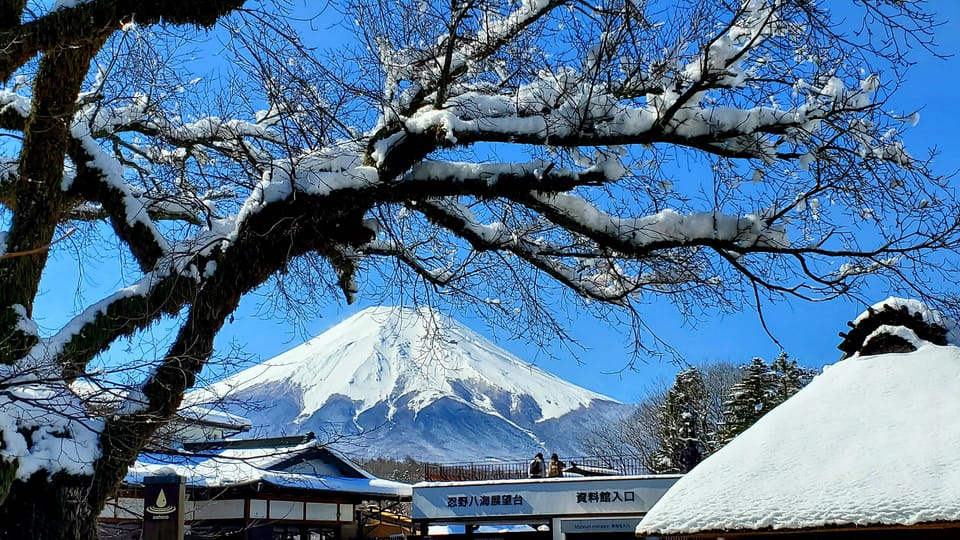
pixel 708 153
pixel 121 314
pixel 595 273
pixel 664 230
pixel 86 21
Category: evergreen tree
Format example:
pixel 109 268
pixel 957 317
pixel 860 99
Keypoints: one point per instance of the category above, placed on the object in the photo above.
pixel 761 389
pixel 639 434
pixel 672 430
pixel 790 378
pixel 749 399
pixel 682 425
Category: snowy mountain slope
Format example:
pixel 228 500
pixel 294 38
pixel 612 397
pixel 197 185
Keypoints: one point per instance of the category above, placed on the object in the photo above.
pixel 412 382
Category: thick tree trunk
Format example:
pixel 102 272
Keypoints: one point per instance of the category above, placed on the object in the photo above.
pixel 8 474
pixel 49 509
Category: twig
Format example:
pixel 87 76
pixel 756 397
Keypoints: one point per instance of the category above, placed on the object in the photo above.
pixel 40 249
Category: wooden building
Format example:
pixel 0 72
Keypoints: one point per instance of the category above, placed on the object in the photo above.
pixel 268 489
pixel 377 522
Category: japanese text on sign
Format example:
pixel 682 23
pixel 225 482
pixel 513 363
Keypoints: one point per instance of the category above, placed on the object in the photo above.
pixel 605 496
pixel 485 500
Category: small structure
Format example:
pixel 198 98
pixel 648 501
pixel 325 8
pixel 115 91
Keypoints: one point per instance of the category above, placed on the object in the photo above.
pixel 285 487
pixel 193 424
pixel 516 470
pixel 866 450
pixel 163 507
pixel 588 470
pixel 377 522
pixel 539 509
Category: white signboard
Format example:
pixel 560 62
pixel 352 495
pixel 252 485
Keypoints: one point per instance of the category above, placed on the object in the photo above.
pixel 573 526
pixel 504 498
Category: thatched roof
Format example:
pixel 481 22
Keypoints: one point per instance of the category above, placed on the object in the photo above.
pixel 870 442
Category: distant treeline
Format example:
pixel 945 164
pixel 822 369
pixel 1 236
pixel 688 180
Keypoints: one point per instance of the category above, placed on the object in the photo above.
pixel 408 471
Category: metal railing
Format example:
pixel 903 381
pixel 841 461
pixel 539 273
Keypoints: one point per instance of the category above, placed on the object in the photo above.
pixel 506 470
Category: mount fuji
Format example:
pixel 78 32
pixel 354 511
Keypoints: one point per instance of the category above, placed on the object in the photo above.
pixel 404 382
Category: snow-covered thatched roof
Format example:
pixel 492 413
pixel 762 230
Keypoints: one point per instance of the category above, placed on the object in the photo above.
pixel 871 441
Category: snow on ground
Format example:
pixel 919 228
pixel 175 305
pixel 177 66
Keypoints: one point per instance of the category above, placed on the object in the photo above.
pixel 870 441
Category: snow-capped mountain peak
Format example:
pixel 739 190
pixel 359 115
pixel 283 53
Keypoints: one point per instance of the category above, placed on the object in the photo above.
pixel 391 366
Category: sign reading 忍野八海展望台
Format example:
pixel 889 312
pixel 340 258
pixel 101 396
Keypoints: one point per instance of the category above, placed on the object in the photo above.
pixel 581 496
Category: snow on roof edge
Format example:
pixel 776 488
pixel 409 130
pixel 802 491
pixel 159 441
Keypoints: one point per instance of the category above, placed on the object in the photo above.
pixel 928 315
pixel 824 458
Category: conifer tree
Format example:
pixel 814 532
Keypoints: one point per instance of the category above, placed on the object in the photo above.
pixel 683 425
pixel 672 430
pixel 790 378
pixel 749 399
pixel 640 436
pixel 761 389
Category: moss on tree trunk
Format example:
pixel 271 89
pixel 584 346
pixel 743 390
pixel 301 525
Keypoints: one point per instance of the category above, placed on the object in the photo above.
pixel 45 508
pixel 40 198
pixel 8 473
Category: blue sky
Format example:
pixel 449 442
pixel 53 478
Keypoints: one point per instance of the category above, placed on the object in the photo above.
pixel 807 331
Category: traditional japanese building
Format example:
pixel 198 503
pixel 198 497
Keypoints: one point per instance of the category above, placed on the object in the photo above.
pixel 866 450
pixel 288 488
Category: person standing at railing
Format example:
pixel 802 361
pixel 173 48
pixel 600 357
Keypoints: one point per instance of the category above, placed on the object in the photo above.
pixel 537 467
pixel 556 467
